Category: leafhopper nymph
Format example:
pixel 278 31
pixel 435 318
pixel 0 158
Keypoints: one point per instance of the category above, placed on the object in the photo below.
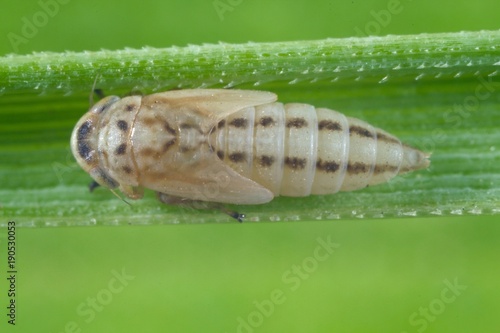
pixel 232 147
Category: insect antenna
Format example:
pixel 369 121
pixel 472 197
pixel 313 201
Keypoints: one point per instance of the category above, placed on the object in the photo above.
pixel 119 197
pixel 93 91
pixel 94 185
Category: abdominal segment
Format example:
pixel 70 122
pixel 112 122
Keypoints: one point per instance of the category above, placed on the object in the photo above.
pixel 297 150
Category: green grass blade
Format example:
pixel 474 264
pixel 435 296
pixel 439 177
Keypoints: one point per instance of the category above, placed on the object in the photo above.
pixel 438 92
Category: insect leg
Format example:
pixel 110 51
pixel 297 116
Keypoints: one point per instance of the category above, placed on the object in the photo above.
pixel 93 185
pixel 197 204
pixel 99 93
pixel 235 215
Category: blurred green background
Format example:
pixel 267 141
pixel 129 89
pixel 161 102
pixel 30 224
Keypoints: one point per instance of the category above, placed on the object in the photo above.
pixel 391 275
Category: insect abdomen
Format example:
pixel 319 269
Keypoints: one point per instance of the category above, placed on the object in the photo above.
pixel 298 150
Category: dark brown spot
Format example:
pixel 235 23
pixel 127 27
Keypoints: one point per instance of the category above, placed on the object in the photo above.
pixel 149 121
pixel 221 124
pixel 266 161
pixel 148 152
pixel 239 123
pixel 169 129
pixel 267 121
pixel 327 166
pixel 220 154
pixel 361 132
pixel 127 169
pixel 190 126
pixel 168 144
pixel 387 138
pixel 237 157
pixel 385 168
pixel 357 168
pixel 129 107
pixel 186 126
pixel 295 163
pixel 102 108
pixel 121 149
pixel 122 125
pixel 296 122
pixel 329 125
pixel 103 154
pixel 185 149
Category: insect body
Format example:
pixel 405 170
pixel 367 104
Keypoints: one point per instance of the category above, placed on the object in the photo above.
pixel 232 146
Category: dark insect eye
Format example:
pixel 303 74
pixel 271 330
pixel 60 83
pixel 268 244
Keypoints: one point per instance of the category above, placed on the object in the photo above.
pixel 84 130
